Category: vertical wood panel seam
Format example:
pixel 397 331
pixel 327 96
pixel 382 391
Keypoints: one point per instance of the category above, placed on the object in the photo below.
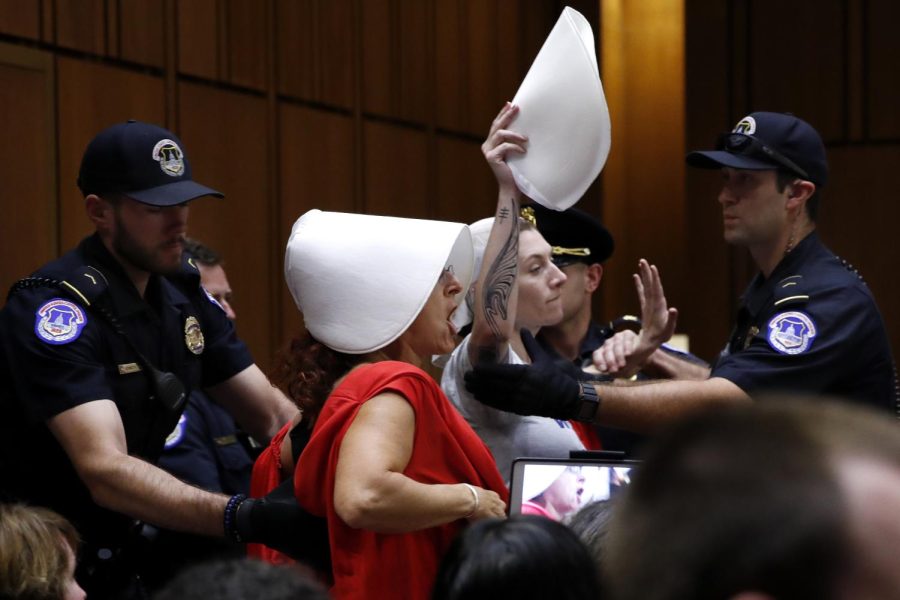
pixel 864 102
pixel 274 178
pixel 845 71
pixel 358 100
pixel 431 140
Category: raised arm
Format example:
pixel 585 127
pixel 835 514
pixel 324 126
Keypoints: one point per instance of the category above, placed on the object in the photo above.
pixel 496 297
pixel 371 491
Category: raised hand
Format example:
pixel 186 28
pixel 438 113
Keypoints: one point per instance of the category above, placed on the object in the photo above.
pixel 500 142
pixel 625 354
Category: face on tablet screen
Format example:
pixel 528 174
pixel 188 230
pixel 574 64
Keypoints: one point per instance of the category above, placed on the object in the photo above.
pixel 559 489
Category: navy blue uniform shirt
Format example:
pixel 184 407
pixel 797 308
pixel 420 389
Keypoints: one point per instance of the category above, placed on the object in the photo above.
pixel 812 326
pixel 204 449
pixel 56 354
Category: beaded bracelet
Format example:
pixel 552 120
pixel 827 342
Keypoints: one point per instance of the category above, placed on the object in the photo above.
pixel 229 517
pixel 475 496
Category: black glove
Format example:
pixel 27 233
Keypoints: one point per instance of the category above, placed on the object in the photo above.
pixel 546 388
pixel 541 357
pixel 279 522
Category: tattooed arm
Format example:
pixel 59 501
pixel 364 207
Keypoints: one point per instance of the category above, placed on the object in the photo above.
pixel 496 291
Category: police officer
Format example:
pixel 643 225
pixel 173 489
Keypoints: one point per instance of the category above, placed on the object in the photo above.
pixel 99 349
pixel 206 449
pixel 580 246
pixel 807 321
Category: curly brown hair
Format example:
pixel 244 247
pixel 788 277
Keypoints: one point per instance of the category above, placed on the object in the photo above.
pixel 306 370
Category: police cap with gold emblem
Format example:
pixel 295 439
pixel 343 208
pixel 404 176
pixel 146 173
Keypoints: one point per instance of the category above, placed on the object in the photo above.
pixel 142 161
pixel 574 235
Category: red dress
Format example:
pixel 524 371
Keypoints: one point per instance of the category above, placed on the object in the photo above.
pixel 366 564
pixel 265 478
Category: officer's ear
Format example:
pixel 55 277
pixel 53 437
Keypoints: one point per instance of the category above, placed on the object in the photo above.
pixel 799 191
pixel 594 275
pixel 99 211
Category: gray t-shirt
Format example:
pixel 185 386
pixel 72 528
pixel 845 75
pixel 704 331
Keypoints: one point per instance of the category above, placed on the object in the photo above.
pixel 508 435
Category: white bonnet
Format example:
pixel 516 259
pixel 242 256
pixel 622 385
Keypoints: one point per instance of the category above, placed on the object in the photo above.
pixel 537 478
pixel 564 114
pixel 361 280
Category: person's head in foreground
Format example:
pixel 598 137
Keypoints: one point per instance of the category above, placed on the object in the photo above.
pixel 521 557
pixel 787 499
pixel 37 555
pixel 242 579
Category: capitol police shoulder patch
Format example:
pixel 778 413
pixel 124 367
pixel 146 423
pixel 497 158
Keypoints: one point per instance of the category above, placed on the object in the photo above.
pixel 59 321
pixel 791 332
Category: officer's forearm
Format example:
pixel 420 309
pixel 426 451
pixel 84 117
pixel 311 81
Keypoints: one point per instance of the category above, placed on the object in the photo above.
pixel 665 364
pixel 646 407
pixel 140 490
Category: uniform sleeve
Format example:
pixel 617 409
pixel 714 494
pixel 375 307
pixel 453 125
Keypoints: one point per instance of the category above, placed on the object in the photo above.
pixel 55 351
pixel 806 347
pixel 224 354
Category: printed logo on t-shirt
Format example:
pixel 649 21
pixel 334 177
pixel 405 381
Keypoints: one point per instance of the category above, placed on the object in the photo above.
pixel 59 321
pixel 791 332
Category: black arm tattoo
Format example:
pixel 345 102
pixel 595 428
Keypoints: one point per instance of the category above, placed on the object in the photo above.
pixel 499 282
pixel 503 214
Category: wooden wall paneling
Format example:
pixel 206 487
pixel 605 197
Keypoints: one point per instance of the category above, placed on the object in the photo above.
pixel 395 171
pixel 198 38
pixel 336 63
pixel 858 218
pixel 644 179
pixel 379 55
pixel 316 172
pixel 29 227
pixel 81 25
pixel 855 84
pixel 882 90
pixel 141 35
pixel 412 31
pixel 296 48
pixel 234 160
pixel 465 188
pixel 481 99
pixel 93 97
pixel 797 61
pixel 510 54
pixel 246 43
pixel 21 18
pixel 449 65
pixel 707 314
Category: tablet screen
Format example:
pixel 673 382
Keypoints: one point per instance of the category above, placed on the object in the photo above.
pixel 558 488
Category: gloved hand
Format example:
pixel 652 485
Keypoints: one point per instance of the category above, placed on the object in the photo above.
pixel 546 388
pixel 278 521
pixel 539 356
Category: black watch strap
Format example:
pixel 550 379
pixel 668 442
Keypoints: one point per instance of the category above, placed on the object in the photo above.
pixel 589 402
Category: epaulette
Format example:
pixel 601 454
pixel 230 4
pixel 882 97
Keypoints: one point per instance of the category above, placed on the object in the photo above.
pixel 188 273
pixel 850 268
pixel 791 291
pixel 86 284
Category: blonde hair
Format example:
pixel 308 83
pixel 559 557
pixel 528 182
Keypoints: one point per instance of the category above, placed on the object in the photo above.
pixel 33 559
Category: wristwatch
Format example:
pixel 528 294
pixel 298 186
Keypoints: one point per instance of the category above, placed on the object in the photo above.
pixel 589 402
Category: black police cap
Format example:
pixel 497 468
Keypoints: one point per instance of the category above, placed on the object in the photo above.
pixel 142 161
pixel 574 235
